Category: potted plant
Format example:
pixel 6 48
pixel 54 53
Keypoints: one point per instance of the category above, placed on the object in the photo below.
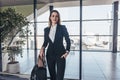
pixel 13 65
pixel 12 24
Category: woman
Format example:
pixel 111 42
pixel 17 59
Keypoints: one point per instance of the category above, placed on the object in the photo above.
pixel 56 52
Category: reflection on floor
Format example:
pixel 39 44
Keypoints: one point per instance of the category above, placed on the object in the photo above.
pixel 101 66
pixel 95 65
pixel 6 76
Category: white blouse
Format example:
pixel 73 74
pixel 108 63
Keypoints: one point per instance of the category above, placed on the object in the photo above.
pixel 52 32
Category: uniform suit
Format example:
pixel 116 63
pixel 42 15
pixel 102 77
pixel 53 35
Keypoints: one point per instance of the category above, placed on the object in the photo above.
pixel 55 50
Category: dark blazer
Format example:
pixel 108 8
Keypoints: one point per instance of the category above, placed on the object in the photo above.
pixel 57 48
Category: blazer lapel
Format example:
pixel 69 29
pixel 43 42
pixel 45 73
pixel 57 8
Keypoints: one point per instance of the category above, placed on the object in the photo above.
pixel 48 34
pixel 57 32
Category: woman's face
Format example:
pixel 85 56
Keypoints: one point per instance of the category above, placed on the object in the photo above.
pixel 54 18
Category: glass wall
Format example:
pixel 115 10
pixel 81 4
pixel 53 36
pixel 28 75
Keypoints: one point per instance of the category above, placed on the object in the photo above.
pixel 97 31
pixel 118 45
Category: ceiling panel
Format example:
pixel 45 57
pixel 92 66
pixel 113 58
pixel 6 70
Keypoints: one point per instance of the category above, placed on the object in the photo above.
pixel 28 2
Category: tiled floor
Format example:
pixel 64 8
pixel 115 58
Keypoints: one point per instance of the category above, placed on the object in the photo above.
pixel 101 66
pixel 95 66
pixel 6 76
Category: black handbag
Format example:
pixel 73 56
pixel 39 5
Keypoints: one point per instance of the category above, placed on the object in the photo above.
pixel 39 72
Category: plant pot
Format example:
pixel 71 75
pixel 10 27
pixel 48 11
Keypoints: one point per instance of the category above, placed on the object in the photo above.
pixel 13 67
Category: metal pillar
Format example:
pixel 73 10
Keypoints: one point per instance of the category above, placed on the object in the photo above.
pixel 115 26
pixel 80 70
pixel 51 8
pixel 0 52
pixel 35 30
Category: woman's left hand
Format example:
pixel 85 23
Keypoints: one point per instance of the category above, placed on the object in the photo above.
pixel 64 55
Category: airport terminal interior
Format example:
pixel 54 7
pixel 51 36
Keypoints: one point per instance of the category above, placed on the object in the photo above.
pixel 93 27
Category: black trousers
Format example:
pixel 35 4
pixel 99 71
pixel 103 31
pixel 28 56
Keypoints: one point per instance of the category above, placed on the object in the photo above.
pixel 56 67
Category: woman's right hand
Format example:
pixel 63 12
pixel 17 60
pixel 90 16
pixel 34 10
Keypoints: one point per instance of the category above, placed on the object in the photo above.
pixel 41 52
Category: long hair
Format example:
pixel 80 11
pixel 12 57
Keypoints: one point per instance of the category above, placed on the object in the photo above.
pixel 50 22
